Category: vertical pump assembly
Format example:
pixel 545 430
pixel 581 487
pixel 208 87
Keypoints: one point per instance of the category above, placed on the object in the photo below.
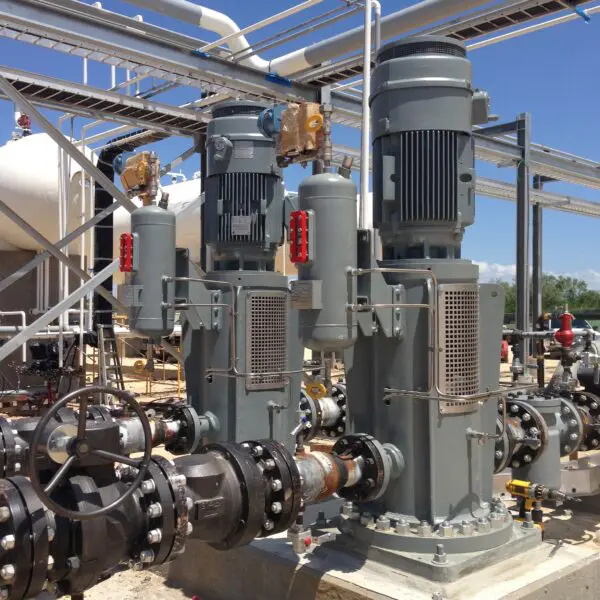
pixel 423 372
pixel 242 355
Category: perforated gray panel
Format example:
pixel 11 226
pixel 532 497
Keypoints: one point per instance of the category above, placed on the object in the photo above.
pixel 459 343
pixel 266 339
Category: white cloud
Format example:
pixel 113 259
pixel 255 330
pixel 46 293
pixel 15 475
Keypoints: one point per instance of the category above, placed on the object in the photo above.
pixel 495 272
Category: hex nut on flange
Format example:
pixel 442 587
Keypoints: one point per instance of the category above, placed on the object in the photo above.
pixel 424 529
pixel 382 524
pixel 347 508
pixel 467 528
pixel 366 519
pixel 402 527
pixel 440 557
pixel 496 520
pixel 446 530
pixel 8 542
pixel 483 525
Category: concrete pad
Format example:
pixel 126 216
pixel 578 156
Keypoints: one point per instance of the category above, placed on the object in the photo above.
pixel 268 570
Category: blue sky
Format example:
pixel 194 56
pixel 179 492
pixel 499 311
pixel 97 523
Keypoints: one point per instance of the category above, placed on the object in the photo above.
pixel 552 74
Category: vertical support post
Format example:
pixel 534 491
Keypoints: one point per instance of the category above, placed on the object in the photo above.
pixel 204 250
pixel 536 258
pixel 523 210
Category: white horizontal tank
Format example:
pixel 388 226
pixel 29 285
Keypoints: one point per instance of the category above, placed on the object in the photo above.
pixel 29 184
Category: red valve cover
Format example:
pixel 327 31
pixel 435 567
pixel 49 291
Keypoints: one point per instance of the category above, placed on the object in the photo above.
pixel 565 336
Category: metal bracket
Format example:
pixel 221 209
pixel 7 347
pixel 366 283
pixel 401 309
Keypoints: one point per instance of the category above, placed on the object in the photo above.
pixel 380 314
pixel 216 311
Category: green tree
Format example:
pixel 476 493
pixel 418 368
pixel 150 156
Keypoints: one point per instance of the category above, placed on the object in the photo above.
pixel 558 293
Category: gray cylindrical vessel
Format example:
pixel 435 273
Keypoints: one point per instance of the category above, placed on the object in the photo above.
pixel 330 200
pixel 154 258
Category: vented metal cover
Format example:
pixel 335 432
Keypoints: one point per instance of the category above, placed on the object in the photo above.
pixel 266 339
pixel 242 213
pixel 458 330
pixel 420 171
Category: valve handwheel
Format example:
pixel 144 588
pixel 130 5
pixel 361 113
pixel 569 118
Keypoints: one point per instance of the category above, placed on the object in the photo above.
pixel 80 447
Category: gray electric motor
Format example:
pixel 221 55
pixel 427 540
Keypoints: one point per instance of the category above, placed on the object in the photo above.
pixel 423 174
pixel 244 190
pixel 153 230
pixel 324 290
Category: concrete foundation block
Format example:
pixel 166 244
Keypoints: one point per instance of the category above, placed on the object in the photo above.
pixel 268 570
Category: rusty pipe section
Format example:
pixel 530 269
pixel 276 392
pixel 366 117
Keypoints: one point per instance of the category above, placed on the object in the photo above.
pixel 324 474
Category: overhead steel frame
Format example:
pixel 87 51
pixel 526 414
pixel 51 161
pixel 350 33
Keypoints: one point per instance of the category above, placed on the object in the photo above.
pixel 74 28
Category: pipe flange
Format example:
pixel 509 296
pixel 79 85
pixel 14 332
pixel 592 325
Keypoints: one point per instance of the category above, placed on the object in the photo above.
pixel 310 414
pixel 283 485
pixel 502 454
pixel 572 428
pixel 325 416
pixel 588 407
pixel 528 433
pixel 23 538
pixel 252 486
pixel 189 437
pixel 376 467
pixel 338 393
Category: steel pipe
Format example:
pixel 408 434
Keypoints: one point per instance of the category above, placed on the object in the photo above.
pixel 405 20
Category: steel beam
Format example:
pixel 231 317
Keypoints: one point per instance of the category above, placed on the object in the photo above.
pixel 523 211
pixel 51 248
pixel 90 102
pixel 561 202
pixel 537 254
pixel 18 340
pixel 172 350
pixel 504 151
pixel 79 157
pixel 100 35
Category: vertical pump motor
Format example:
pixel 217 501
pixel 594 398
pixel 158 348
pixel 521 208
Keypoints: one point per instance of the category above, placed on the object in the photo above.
pixel 423 160
pixel 244 187
pixel 242 355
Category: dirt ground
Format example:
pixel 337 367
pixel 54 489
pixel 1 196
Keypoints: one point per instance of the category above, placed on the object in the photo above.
pixel 131 585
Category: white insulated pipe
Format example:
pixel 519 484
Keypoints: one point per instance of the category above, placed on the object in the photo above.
pixel 403 21
pixel 365 134
pixel 18 313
